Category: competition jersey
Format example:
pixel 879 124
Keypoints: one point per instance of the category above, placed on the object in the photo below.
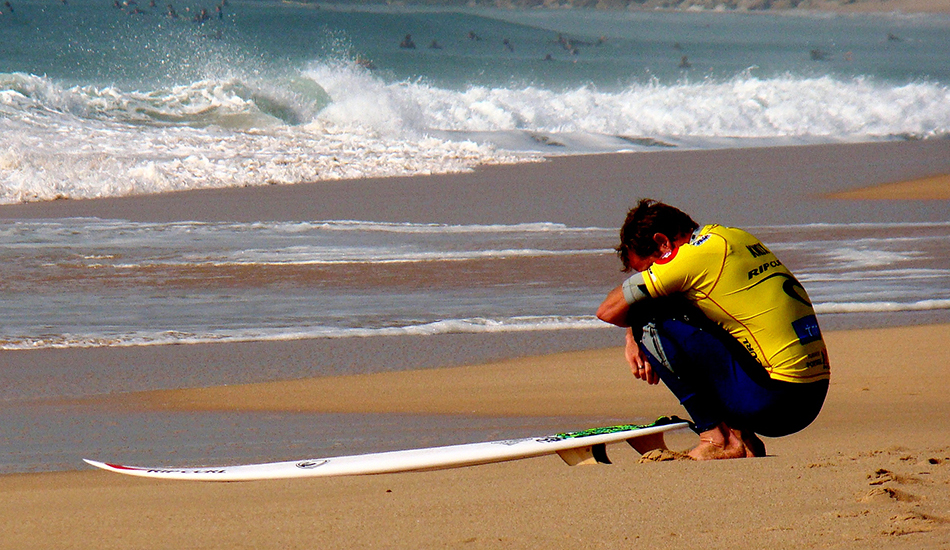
pixel 740 284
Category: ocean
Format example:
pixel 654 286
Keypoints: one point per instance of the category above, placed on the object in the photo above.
pixel 98 101
pixel 90 282
pixel 102 100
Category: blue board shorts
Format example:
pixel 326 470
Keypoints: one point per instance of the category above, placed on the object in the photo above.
pixel 717 381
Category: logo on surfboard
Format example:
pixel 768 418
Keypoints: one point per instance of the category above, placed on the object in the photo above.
pixel 310 464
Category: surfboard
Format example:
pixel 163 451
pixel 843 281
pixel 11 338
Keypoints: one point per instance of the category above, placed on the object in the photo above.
pixel 581 447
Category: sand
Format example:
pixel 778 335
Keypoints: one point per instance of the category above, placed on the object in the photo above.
pixel 872 471
pixel 932 188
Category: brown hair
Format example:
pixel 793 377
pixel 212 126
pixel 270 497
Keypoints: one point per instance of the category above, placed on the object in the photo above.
pixel 646 219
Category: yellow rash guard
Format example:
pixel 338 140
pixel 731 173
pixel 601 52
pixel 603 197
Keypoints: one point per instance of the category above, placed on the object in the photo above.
pixel 740 284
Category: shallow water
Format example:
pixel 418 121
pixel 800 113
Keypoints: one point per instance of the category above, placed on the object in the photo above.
pixel 88 282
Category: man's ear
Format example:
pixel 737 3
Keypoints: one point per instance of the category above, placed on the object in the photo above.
pixel 662 242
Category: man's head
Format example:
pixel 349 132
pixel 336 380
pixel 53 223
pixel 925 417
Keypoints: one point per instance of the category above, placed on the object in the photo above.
pixel 650 230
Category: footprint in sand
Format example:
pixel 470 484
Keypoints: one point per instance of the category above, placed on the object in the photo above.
pixel 884 494
pixel 914 522
pixel 882 476
pixel 889 487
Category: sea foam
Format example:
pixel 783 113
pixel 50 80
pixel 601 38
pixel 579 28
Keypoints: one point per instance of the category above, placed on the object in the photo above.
pixel 336 120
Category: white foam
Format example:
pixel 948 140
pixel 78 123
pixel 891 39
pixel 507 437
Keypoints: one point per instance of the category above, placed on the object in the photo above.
pixel 478 325
pixel 337 121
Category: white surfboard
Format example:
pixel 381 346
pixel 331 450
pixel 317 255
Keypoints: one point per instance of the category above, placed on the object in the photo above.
pixel 583 447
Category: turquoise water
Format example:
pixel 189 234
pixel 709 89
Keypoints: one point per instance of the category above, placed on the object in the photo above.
pixel 99 101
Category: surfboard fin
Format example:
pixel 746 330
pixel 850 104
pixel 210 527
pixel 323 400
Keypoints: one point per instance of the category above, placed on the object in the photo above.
pixel 594 454
pixel 647 442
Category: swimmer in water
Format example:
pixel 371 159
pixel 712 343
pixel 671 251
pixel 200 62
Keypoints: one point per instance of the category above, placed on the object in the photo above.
pixel 407 43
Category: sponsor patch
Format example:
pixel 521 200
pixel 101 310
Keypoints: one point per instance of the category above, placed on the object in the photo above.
pixel 807 329
pixel 757 250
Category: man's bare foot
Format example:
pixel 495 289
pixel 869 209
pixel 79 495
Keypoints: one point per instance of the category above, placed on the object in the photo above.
pixel 719 443
pixel 753 445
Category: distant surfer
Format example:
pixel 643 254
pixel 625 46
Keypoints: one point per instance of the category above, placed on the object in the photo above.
pixel 474 37
pixel 684 63
pixel 435 45
pixel 364 62
pixel 508 45
pixel 407 43
pixel 715 315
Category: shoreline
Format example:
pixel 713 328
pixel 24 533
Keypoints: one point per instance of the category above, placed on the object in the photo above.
pixel 501 387
pixel 694 180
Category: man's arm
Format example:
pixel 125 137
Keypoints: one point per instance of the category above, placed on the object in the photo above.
pixel 615 310
pixel 616 306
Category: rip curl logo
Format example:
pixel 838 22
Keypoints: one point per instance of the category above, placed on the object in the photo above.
pixel 310 464
pixel 763 268
pixel 792 288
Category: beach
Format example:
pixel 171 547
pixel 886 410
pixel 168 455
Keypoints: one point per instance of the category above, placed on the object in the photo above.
pixel 872 471
pixel 271 232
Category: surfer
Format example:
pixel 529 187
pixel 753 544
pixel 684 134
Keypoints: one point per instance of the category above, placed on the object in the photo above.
pixel 364 62
pixel 714 315
pixel 407 43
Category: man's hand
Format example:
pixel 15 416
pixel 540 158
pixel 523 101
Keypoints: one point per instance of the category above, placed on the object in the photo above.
pixel 639 364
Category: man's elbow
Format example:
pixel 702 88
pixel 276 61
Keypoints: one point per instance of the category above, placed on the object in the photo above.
pixel 610 313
